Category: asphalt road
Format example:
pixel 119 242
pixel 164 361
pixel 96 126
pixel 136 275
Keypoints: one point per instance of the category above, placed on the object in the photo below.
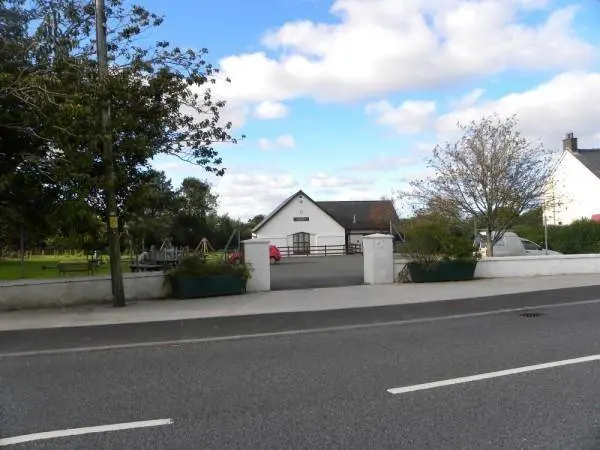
pixel 302 272
pixel 321 389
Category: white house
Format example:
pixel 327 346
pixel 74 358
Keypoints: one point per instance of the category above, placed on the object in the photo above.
pixel 574 191
pixel 302 226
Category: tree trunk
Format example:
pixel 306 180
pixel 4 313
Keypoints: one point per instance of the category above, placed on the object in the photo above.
pixel 490 247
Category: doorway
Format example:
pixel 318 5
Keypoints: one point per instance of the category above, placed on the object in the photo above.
pixel 301 243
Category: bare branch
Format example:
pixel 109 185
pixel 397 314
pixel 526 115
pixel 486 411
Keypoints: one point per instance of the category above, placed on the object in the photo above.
pixel 491 173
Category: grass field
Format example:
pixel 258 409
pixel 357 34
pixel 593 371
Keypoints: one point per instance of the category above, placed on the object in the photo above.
pixel 38 266
pixel 45 267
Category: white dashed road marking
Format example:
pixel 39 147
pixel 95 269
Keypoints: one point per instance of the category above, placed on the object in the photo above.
pixel 486 376
pixel 79 431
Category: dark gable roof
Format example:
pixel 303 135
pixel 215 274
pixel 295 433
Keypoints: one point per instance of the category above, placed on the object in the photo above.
pixel 362 215
pixel 352 215
pixel 590 158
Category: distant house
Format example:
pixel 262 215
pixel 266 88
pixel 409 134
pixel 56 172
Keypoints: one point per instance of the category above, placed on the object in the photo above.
pixel 574 190
pixel 305 227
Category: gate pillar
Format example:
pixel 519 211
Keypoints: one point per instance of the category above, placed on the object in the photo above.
pixel 256 254
pixel 378 254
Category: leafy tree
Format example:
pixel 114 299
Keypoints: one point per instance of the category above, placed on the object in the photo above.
pixel 151 209
pixel 431 237
pixel 160 97
pixel 196 197
pixel 51 93
pixel 256 220
pixel 491 173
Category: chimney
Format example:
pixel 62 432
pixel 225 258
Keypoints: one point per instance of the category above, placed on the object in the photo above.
pixel 570 143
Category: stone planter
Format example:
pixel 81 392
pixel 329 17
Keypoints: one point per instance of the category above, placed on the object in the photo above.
pixel 441 271
pixel 190 286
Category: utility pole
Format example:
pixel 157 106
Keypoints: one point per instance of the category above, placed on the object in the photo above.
pixel 116 273
pixel 545 219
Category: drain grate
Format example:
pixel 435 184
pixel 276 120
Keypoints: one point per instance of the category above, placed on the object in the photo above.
pixel 531 314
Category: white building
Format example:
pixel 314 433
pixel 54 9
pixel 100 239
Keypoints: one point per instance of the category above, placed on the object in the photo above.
pixel 302 226
pixel 574 191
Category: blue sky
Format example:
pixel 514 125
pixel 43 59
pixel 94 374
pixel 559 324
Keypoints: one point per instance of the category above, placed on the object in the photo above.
pixel 345 99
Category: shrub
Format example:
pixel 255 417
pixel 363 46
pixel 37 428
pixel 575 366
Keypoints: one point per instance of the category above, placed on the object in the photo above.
pixel 433 238
pixel 582 236
pixel 200 267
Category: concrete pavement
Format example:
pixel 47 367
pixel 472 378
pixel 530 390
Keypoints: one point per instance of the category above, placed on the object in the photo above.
pixel 326 389
pixel 286 302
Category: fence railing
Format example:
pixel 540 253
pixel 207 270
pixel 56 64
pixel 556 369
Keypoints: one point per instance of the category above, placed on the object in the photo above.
pixel 321 250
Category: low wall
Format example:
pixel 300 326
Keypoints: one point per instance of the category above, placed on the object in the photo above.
pixel 526 266
pixel 533 266
pixel 57 292
pixel 399 263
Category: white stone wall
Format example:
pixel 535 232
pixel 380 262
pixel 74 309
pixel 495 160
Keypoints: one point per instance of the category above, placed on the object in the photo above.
pixel 399 263
pixel 526 266
pixel 533 266
pixel 57 292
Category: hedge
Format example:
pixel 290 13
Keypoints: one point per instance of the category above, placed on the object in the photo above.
pixel 582 236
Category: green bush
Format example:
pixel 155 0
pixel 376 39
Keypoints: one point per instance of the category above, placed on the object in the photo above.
pixel 582 236
pixel 200 267
pixel 433 238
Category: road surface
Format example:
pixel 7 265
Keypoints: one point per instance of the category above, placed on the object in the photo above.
pixel 329 387
pixel 304 272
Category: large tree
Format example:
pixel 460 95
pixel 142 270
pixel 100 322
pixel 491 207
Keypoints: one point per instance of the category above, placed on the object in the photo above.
pixel 151 210
pixel 492 173
pixel 197 198
pixel 51 94
pixel 160 95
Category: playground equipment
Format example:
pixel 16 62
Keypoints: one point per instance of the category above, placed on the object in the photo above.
pixel 204 246
pixel 165 257
pixel 229 248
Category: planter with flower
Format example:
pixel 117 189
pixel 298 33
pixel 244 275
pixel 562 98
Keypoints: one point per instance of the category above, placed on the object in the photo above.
pixel 439 251
pixel 196 277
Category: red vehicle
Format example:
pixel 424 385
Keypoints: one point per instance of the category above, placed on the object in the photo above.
pixel 274 255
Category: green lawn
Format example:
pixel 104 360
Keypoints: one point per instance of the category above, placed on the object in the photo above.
pixel 45 267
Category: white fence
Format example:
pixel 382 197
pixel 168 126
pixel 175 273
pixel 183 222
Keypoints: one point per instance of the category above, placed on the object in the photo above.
pixel 57 292
pixel 527 266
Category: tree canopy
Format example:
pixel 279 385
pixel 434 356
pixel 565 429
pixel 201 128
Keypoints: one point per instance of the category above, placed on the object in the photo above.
pixel 50 131
pixel 492 174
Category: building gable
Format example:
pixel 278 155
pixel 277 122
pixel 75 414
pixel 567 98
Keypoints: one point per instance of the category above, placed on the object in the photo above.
pixel 574 191
pixel 299 213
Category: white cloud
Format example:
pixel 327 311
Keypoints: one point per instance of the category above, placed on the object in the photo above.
pixel 469 99
pixel 565 103
pixel 281 142
pixel 350 193
pixel 384 164
pixel 322 180
pixel 408 118
pixel 378 46
pixel 247 195
pixel 271 110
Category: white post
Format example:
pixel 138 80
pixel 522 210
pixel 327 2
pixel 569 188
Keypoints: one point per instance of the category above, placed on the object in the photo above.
pixel 256 254
pixel 378 253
